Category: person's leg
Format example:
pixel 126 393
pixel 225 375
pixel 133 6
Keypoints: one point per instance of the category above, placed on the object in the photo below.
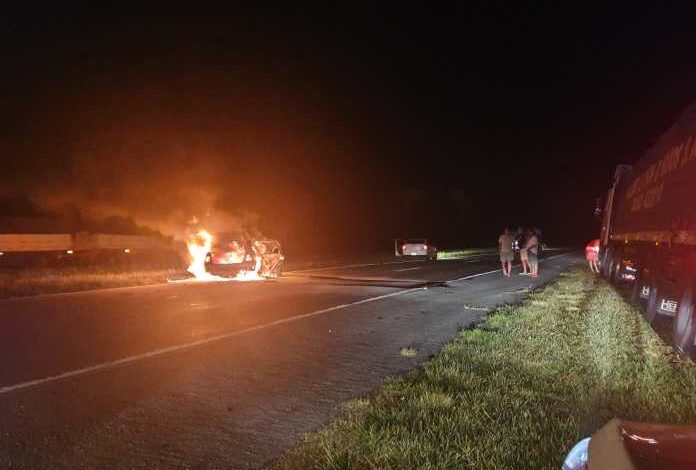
pixel 533 264
pixel 524 262
pixel 508 264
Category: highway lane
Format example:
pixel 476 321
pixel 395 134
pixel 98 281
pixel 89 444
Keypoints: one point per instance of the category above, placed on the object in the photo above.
pixel 98 326
pixel 219 374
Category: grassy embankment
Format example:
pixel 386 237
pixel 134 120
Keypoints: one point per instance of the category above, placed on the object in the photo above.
pixel 463 253
pixel 517 391
pixel 36 281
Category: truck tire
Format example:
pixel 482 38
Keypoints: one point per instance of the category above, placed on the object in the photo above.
pixel 615 273
pixel 636 289
pixel 606 262
pixel 651 305
pixel 684 326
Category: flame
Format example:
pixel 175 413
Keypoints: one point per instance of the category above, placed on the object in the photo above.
pixel 199 245
pixel 250 275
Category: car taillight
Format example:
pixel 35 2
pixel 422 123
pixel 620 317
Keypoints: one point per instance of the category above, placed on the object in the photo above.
pixel 425 247
pixel 403 247
pixel 247 257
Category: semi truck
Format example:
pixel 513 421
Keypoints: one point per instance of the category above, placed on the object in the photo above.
pixel 648 234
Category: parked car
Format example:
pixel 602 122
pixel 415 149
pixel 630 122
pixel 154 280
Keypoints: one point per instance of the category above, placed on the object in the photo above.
pixel 415 247
pixel 233 253
pixel 627 445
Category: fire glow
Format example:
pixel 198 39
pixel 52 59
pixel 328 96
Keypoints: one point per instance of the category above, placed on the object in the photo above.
pixel 199 245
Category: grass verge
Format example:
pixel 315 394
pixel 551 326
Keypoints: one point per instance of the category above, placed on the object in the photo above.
pixel 456 254
pixel 517 391
pixel 36 281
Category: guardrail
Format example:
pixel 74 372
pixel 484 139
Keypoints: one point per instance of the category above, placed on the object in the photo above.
pixel 73 242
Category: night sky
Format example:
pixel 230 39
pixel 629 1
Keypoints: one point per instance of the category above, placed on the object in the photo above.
pixel 340 128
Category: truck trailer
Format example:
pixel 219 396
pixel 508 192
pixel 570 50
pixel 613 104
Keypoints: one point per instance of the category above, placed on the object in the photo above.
pixel 648 236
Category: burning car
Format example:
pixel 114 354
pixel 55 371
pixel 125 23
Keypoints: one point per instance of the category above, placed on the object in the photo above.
pixel 233 254
pixel 415 247
pixel 271 257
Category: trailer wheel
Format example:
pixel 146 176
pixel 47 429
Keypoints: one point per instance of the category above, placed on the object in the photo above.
pixel 606 262
pixel 637 288
pixel 651 306
pixel 615 272
pixel 684 329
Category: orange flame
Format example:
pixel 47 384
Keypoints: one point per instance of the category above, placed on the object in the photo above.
pixel 199 246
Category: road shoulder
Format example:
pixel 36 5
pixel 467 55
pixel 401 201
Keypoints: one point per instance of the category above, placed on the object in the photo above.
pixel 517 391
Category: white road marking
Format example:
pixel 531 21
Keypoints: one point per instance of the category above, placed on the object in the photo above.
pixel 472 276
pixel 386 263
pixel 213 339
pixel 407 269
pixel 193 344
pixel 362 265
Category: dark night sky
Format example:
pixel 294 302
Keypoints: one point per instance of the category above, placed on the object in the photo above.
pixel 341 126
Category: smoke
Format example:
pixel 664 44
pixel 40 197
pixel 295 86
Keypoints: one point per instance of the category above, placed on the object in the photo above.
pixel 153 176
pixel 162 148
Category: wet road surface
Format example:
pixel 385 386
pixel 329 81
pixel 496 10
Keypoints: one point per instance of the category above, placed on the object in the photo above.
pixel 223 375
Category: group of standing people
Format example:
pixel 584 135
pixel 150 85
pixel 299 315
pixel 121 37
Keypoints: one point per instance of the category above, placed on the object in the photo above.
pixel 527 242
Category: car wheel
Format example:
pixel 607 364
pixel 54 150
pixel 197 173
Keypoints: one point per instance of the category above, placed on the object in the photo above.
pixel 684 327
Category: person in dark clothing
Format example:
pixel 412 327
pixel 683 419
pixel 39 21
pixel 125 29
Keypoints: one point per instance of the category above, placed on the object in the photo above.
pixel 520 240
pixel 533 248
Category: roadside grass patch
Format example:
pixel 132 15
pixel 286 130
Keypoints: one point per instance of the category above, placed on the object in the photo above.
pixel 517 392
pixel 463 253
pixel 37 281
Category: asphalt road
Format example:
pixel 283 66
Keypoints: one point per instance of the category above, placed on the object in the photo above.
pixel 223 375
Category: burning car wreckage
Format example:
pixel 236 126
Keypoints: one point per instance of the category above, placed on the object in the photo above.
pixel 233 256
